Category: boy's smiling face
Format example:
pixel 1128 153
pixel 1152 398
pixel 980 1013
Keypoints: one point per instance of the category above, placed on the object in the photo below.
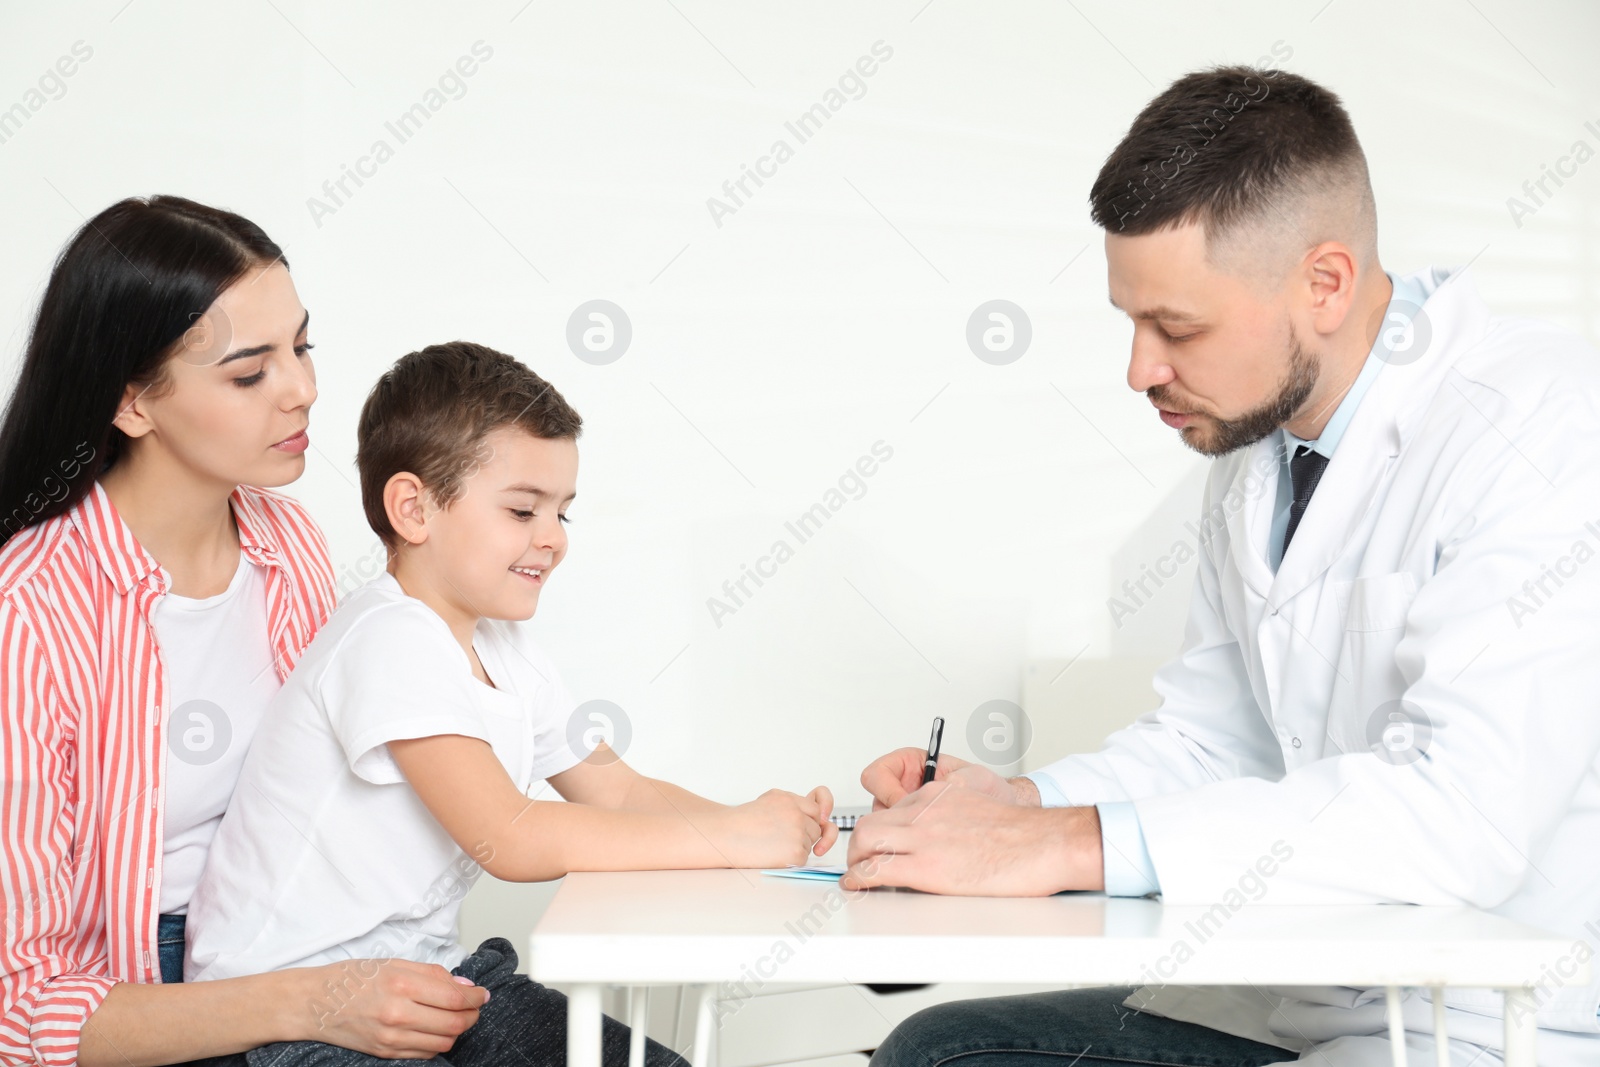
pixel 492 550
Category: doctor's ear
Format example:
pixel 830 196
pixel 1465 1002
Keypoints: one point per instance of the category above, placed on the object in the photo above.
pixel 1331 269
pixel 407 503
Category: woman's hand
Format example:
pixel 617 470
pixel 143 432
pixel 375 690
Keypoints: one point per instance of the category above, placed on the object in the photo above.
pixel 776 829
pixel 393 1009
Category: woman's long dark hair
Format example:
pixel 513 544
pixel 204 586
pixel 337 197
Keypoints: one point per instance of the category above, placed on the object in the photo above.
pixel 121 296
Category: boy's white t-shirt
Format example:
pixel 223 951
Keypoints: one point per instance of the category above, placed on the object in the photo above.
pixel 326 853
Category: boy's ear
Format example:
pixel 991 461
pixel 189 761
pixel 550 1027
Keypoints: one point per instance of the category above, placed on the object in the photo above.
pixel 403 503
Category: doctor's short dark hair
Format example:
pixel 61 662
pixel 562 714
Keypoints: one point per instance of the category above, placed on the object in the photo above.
pixel 1234 146
pixel 430 413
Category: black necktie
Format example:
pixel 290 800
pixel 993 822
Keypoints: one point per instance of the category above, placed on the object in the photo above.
pixel 1305 471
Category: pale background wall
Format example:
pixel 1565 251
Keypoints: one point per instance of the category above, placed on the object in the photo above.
pixel 826 314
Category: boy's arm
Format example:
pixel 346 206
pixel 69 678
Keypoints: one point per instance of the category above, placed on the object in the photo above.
pixel 605 781
pixel 463 784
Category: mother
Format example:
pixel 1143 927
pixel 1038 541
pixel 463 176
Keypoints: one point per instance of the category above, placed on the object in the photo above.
pixel 152 598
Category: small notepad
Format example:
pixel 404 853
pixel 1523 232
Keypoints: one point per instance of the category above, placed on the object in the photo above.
pixel 818 873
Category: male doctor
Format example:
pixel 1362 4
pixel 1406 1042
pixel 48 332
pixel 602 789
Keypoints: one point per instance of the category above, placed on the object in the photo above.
pixel 1389 686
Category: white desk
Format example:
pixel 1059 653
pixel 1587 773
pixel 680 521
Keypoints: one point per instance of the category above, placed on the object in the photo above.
pixel 709 927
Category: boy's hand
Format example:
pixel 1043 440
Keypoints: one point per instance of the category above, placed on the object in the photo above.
pixel 776 829
pixel 830 833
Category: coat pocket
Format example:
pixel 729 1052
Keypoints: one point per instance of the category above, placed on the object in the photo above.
pixel 1379 602
pixel 1370 686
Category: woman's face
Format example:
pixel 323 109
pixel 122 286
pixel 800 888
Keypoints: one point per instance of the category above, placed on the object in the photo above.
pixel 236 398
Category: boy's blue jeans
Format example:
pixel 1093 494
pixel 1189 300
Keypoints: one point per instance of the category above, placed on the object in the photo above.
pixel 523 1025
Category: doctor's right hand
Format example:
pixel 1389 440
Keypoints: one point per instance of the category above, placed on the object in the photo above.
pixel 890 778
pixel 393 1009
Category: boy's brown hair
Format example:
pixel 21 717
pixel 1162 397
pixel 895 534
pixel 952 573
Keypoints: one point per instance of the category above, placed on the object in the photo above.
pixel 430 413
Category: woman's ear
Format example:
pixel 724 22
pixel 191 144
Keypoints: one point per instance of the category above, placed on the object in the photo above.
pixel 403 503
pixel 132 418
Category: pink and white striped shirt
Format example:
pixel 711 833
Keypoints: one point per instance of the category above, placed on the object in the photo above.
pixel 82 701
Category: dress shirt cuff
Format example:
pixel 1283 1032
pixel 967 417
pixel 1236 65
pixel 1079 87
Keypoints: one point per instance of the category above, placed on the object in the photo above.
pixel 1128 870
pixel 1050 794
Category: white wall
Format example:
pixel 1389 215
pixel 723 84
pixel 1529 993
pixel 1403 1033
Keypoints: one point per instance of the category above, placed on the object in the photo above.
pixel 826 314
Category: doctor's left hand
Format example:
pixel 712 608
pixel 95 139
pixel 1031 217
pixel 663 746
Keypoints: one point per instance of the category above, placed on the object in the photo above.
pixel 947 837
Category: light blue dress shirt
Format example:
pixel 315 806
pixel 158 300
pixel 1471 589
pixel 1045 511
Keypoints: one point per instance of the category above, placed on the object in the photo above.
pixel 1128 869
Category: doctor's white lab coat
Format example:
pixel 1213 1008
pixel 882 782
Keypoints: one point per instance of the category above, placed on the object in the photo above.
pixel 1410 706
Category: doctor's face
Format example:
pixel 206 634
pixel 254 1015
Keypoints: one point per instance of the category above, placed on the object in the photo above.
pixel 1218 357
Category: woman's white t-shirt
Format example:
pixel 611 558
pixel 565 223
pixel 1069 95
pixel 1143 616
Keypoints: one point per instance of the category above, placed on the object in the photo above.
pixel 326 852
pixel 218 660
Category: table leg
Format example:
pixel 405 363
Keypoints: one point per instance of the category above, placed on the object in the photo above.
pixel 583 1026
pixel 1441 1040
pixel 1522 1029
pixel 638 1020
pixel 705 1030
pixel 1397 1030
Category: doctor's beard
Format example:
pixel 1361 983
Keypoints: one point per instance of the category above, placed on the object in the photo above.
pixel 1230 435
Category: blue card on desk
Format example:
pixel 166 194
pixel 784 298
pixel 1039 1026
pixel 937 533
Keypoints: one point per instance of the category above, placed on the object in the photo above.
pixel 817 873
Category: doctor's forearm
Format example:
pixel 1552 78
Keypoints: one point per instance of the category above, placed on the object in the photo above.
pixel 1027 791
pixel 1129 872
pixel 1074 842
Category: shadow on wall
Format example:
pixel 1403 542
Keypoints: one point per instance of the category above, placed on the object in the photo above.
pixel 1074 704
pixel 1152 574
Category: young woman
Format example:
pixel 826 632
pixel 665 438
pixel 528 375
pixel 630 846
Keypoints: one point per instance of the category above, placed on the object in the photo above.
pixel 152 598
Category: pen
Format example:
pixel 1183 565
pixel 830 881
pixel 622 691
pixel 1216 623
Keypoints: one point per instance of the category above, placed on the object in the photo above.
pixel 932 763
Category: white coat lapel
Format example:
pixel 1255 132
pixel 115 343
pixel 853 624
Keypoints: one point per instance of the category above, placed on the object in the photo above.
pixel 1385 420
pixel 1247 502
pixel 1346 492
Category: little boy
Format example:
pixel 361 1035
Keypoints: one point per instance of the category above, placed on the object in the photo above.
pixel 396 761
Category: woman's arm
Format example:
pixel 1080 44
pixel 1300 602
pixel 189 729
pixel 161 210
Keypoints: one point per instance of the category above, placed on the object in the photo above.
pixel 54 1014
pixel 464 785
pixel 44 997
pixel 395 1009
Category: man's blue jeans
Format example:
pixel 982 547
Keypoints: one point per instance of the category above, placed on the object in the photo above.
pixel 1073 1028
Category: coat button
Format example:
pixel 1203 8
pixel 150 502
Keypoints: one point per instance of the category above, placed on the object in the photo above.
pixel 1295 742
